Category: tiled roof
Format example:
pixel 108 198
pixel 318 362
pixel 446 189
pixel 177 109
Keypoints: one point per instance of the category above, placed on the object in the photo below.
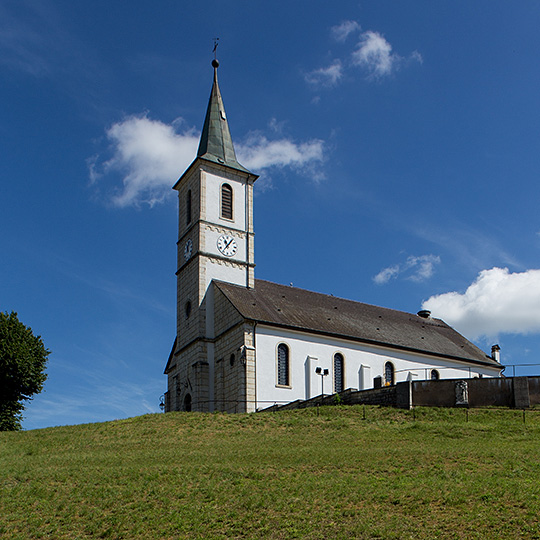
pixel 299 309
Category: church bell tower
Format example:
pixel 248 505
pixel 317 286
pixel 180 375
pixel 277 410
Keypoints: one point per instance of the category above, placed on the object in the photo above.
pixel 215 242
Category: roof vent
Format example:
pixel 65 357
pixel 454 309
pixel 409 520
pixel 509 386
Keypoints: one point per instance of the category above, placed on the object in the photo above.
pixel 424 313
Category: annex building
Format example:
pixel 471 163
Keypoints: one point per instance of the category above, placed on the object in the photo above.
pixel 244 344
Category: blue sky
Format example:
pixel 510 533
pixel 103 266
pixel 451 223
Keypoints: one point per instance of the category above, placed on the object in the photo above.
pixel 397 145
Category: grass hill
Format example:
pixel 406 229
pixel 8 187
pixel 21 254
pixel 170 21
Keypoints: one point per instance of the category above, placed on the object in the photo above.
pixel 347 472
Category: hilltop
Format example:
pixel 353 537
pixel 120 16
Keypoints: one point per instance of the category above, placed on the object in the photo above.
pixel 340 472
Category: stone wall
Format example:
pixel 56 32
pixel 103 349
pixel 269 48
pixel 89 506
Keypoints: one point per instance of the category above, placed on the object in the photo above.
pixel 516 392
pixel 384 396
pixel 188 376
pixel 534 391
pixel 489 392
pixel 226 315
pixel 234 377
pixel 229 375
pixel 387 396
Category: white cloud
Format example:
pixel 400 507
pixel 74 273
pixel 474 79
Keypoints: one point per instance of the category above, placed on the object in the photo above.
pixel 375 54
pixel 150 155
pixel 423 267
pixel 275 126
pixel 327 76
pixel 415 269
pixel 342 31
pixel 372 53
pixel 496 302
pixel 386 274
pixel 469 246
pixel 260 153
pixel 415 56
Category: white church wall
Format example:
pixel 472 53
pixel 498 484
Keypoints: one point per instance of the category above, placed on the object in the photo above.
pixel 312 382
pixel 213 202
pixel 223 271
pixel 365 379
pixel 362 364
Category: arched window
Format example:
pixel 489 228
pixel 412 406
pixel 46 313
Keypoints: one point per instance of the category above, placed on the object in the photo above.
pixel 226 201
pixel 187 403
pixel 338 373
pixel 435 375
pixel 388 374
pixel 283 378
pixel 188 207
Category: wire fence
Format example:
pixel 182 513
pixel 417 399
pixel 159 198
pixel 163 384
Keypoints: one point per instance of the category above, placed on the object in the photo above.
pixel 416 414
pixel 322 399
pixel 242 406
pixel 520 368
pixel 509 370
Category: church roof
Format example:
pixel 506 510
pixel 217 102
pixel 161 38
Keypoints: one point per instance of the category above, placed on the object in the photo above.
pixel 216 143
pixel 302 310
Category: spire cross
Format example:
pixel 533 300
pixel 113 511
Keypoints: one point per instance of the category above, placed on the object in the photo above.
pixel 216 43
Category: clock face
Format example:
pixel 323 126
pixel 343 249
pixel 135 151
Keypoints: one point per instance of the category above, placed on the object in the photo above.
pixel 188 249
pixel 227 245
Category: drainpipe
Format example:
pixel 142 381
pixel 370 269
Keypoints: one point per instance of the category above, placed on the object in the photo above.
pixel 255 363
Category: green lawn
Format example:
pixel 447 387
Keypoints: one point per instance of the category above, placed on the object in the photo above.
pixel 295 474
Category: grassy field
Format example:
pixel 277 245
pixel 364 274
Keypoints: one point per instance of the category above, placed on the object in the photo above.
pixel 297 474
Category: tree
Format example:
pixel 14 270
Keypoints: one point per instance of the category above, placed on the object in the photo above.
pixel 23 358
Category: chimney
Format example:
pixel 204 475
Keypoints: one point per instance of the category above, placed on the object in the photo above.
pixel 424 313
pixel 496 353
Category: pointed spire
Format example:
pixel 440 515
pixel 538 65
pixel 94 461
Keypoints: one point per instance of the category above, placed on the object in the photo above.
pixel 216 143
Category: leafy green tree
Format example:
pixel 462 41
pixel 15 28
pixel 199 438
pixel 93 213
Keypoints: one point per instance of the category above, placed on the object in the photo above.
pixel 23 358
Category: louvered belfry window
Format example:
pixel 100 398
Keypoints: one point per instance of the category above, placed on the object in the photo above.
pixel 226 201
pixel 338 372
pixel 283 365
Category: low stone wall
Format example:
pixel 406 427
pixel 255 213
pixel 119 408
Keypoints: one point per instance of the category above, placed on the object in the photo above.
pixel 387 396
pixel 534 390
pixel 384 396
pixel 516 392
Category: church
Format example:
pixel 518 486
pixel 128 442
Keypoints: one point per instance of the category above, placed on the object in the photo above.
pixel 244 344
